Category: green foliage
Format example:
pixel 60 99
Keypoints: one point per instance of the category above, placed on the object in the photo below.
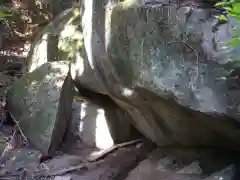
pixel 69 46
pixel 5 12
pixel 232 9
pixel 3 15
pixel 70 42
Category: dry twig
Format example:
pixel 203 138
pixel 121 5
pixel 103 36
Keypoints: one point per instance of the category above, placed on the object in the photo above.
pixel 9 144
pixel 23 135
pixel 111 149
pixel 65 170
pixel 89 161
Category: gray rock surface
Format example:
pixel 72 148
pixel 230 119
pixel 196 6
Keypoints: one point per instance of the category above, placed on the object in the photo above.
pixel 20 159
pixel 226 173
pixel 173 166
pixel 172 54
pixel 167 67
pixel 193 168
pixel 41 103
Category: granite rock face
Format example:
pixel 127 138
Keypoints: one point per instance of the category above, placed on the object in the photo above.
pixel 188 164
pixel 168 67
pixel 41 103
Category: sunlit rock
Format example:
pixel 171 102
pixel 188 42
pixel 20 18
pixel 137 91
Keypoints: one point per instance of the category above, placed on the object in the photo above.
pixel 64 31
pixel 93 127
pixel 81 71
pixel 167 67
pixel 100 125
pixel 39 56
pixel 41 102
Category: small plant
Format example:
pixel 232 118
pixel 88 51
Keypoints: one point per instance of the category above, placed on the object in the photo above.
pixel 71 41
pixel 4 12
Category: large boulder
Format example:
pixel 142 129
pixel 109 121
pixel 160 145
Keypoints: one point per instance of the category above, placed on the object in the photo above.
pixel 66 27
pixel 168 67
pixel 41 103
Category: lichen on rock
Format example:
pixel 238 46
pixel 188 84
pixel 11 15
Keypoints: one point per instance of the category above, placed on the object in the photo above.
pixel 41 103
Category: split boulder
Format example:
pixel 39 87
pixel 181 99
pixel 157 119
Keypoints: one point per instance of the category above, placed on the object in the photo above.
pixel 41 103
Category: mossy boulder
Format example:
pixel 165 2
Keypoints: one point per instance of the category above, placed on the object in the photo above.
pixel 41 103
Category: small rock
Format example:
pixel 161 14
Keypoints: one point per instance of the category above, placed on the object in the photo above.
pixel 18 159
pixel 225 174
pixel 60 163
pixel 193 168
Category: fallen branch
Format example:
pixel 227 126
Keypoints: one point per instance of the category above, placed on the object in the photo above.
pixel 111 149
pixel 82 98
pixel 47 172
pixel 89 161
pixel 9 144
pixel 66 170
pixel 20 130
pixel 8 178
